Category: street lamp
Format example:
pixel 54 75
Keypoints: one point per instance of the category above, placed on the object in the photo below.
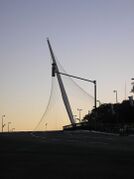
pixel 78 109
pixel 132 90
pixel 115 91
pixel 8 125
pixel 3 125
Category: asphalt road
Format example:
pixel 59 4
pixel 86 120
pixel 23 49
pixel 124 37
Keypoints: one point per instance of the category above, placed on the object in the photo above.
pixel 77 154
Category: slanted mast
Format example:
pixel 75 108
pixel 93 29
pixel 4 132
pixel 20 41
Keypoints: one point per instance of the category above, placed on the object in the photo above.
pixel 55 70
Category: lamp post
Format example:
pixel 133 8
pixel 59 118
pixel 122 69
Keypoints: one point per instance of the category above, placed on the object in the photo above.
pixel 78 109
pixel 115 91
pixel 132 90
pixel 3 125
pixel 8 125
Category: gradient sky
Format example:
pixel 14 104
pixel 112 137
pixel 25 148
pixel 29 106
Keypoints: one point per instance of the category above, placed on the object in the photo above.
pixel 91 38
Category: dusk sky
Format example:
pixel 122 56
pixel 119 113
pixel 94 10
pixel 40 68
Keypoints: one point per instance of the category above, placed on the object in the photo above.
pixel 93 39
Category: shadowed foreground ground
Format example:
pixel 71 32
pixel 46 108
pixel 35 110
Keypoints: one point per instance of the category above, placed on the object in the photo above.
pixel 66 155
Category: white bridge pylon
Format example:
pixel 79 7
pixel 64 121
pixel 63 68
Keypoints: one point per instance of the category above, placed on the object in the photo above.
pixel 55 71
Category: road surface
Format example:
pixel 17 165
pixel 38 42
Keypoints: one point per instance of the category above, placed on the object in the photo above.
pixel 76 154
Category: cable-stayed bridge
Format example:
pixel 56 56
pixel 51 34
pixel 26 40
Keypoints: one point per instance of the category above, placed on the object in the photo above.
pixel 72 97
